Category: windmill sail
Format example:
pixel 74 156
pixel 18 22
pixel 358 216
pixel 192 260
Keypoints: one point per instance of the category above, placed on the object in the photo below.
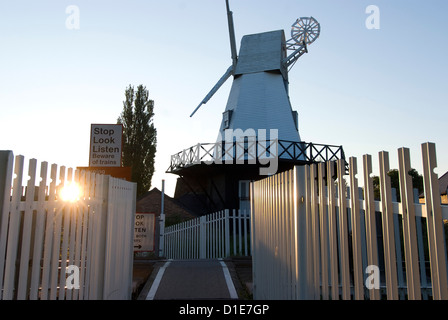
pixel 218 85
pixel 231 35
pixel 230 71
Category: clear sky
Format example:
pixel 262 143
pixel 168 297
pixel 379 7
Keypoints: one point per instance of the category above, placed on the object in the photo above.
pixel 366 89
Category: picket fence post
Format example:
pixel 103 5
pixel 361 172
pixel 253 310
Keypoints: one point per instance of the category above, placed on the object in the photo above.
pixel 371 230
pixel 6 173
pixel 409 228
pixel 436 243
pixel 388 227
pixel 13 231
pixel 300 241
pixel 202 237
pixel 227 232
pixel 343 230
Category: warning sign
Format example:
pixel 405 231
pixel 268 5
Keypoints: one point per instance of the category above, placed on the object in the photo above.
pixel 144 231
pixel 105 145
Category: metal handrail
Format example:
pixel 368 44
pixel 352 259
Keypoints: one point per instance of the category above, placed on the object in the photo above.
pixel 249 151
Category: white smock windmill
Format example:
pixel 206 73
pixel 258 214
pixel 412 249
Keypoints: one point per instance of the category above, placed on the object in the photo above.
pixel 259 97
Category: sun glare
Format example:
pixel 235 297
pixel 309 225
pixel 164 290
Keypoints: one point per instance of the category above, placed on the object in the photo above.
pixel 70 192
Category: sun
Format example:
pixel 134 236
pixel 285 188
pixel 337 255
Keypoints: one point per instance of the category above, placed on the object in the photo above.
pixel 70 192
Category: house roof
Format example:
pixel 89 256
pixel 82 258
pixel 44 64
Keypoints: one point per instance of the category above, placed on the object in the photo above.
pixel 151 201
pixel 443 183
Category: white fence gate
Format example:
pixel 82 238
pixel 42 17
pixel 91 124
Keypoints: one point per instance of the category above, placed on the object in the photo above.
pixel 217 235
pixel 41 235
pixel 313 239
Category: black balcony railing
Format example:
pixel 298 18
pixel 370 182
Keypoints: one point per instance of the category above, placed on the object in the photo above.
pixel 253 151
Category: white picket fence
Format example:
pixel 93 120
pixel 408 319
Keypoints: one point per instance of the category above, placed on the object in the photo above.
pixel 314 237
pixel 41 235
pixel 217 235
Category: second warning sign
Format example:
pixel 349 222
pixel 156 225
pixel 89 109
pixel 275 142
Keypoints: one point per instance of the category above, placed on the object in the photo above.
pixel 144 231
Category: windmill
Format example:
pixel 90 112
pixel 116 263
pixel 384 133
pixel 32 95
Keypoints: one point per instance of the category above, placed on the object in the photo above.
pixel 258 120
pixel 259 97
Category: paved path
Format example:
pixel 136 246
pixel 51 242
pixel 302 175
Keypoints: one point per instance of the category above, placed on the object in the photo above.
pixel 192 279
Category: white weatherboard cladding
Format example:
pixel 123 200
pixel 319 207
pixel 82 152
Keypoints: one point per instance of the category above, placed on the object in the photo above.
pixel 260 101
pixel 259 97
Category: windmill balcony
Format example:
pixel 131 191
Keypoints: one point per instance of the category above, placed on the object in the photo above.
pixel 254 152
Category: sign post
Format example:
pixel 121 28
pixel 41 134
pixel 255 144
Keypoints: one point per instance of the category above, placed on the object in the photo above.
pixel 162 222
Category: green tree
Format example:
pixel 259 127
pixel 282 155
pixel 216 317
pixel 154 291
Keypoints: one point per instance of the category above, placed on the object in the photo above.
pixel 139 136
pixel 417 182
